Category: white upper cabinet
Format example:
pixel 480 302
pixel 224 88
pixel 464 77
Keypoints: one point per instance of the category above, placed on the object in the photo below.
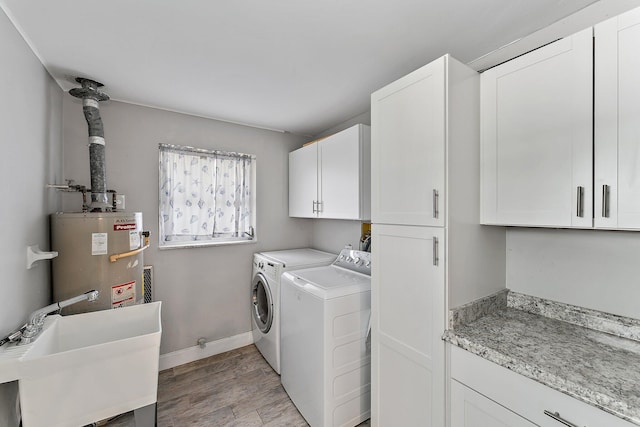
pixel 303 181
pixel 536 137
pixel 345 174
pixel 410 172
pixel 332 177
pixel 617 122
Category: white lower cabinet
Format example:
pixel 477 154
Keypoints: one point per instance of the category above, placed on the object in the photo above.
pixel 471 409
pixel 408 317
pixel 492 392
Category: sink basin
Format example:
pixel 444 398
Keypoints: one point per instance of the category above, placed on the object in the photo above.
pixel 87 367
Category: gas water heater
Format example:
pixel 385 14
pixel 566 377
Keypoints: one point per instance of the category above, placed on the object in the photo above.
pixel 100 247
pixel 101 251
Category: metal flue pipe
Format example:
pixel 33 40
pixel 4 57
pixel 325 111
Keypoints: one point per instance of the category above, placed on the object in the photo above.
pixel 91 96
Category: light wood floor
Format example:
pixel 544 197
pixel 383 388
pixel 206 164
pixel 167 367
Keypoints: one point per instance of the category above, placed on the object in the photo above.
pixel 234 389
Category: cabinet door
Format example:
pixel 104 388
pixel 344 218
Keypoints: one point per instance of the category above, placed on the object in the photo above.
pixel 471 409
pixel 536 137
pixel 340 175
pixel 408 320
pixel 617 128
pixel 303 181
pixel 408 149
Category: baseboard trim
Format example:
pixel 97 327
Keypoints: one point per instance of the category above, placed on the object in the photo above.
pixel 191 354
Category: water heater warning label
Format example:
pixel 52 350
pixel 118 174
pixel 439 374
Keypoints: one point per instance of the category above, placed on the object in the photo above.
pixel 134 240
pixel 99 243
pixel 123 295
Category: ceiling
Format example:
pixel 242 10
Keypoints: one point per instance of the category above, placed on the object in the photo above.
pixel 299 66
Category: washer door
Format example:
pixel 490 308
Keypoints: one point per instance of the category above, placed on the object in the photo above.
pixel 262 303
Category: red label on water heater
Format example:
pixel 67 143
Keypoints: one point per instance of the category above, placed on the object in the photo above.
pixel 123 295
pixel 123 227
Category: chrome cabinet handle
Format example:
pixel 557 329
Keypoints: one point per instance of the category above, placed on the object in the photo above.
pixel 606 190
pixel 314 206
pixel 436 258
pixel 319 203
pixel 436 201
pixel 580 197
pixel 556 416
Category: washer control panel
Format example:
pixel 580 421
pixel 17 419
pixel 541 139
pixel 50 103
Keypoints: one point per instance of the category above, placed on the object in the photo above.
pixel 270 269
pixel 350 259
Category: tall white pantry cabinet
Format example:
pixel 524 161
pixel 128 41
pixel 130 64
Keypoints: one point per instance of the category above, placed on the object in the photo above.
pixel 429 252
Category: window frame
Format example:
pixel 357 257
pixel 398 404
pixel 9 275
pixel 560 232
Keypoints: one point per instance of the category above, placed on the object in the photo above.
pixel 211 241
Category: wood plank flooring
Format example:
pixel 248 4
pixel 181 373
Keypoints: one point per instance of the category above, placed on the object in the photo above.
pixel 233 389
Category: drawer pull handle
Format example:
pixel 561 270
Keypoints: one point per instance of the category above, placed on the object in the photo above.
pixel 556 416
pixel 580 199
pixel 436 249
pixel 606 194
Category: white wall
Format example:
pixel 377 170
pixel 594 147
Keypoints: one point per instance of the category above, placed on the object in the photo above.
pixel 590 268
pixel 205 291
pixel 331 235
pixel 30 131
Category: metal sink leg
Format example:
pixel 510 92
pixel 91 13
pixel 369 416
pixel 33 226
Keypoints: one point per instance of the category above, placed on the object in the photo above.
pixel 146 416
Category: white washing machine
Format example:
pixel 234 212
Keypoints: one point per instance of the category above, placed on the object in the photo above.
pixel 265 294
pixel 326 362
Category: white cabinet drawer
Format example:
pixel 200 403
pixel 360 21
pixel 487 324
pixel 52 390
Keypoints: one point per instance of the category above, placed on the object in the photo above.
pixel 526 397
pixel 471 409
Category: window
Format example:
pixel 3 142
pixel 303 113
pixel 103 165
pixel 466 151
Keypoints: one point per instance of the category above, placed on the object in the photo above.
pixel 206 197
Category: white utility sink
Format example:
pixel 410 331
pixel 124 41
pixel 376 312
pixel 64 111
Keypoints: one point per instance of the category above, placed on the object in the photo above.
pixel 87 367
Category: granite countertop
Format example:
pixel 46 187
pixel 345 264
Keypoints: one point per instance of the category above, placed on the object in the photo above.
pixel 591 356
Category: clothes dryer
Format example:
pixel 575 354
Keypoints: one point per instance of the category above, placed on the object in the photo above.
pixel 265 294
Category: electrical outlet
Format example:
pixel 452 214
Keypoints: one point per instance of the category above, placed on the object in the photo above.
pixel 120 202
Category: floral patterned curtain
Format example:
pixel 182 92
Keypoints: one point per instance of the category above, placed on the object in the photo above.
pixel 204 195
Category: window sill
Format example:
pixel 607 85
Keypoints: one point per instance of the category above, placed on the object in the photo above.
pixel 186 245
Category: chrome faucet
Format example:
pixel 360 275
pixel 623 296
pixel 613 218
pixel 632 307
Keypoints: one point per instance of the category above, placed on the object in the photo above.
pixel 36 319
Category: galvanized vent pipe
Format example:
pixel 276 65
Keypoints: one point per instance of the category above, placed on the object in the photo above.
pixel 91 96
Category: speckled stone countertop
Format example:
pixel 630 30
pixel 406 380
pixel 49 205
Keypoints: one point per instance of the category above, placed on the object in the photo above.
pixel 567 348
